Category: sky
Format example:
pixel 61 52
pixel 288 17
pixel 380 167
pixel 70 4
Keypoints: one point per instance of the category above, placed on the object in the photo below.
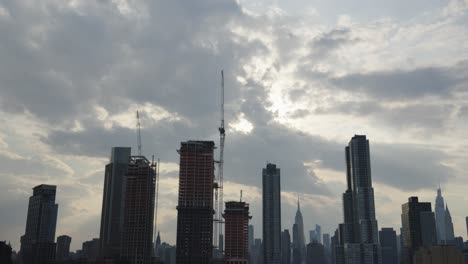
pixel 302 77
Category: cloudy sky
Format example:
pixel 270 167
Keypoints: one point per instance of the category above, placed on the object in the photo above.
pixel 302 77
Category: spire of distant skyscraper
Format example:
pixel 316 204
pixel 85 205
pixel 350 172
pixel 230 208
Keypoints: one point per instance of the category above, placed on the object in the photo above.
pixel 450 236
pixel 298 237
pixel 440 217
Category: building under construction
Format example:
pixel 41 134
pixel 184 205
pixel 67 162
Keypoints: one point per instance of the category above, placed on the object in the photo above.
pixel 195 204
pixel 137 230
pixel 236 218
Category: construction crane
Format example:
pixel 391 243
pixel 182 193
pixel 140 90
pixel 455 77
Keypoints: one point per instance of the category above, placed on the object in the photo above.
pixel 218 225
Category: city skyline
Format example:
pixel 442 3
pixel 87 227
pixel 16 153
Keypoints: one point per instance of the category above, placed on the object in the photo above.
pixel 299 83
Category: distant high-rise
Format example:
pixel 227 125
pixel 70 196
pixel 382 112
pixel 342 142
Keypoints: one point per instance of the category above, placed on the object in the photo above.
pixel 285 247
pixel 90 250
pixel 388 242
pixel 418 228
pixel 63 247
pixel 440 217
pixel 37 244
pixel 359 233
pixel 299 249
pixel 312 236
pixel 449 233
pixel 236 219
pixel 315 253
pixel 113 202
pixel 251 237
pixel 195 204
pixel 271 214
pixel 138 214
pixel 466 221
pixel 326 245
pixel 257 252
pixel 318 232
pixel 157 246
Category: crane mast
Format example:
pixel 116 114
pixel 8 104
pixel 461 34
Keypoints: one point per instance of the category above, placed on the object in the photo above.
pixel 218 225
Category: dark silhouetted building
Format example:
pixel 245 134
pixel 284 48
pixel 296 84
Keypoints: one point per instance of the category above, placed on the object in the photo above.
pixel 285 247
pixel 38 243
pixel 90 250
pixel 418 228
pixel 167 253
pixel 442 254
pixel 388 242
pixel 466 221
pixel 315 253
pixel 137 230
pixel 63 248
pixel 358 235
pixel 236 225
pixel 195 205
pixel 113 202
pixel 271 214
pixel 5 253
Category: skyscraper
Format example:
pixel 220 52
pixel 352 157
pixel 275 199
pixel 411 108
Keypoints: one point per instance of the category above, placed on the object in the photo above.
pixel 251 244
pixel 251 237
pixel 63 247
pixel 449 233
pixel 195 204
pixel 113 201
pixel 271 214
pixel 157 246
pixel 37 244
pixel 236 218
pixel 418 228
pixel 285 247
pixel 440 217
pixel 138 214
pixel 359 233
pixel 318 232
pixel 388 242
pixel 466 221
pixel 299 249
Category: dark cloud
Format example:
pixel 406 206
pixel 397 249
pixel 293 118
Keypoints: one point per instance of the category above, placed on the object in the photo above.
pixel 60 62
pixel 410 167
pixel 402 85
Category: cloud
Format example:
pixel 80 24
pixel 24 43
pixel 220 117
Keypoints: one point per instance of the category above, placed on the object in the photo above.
pixel 73 73
pixel 401 85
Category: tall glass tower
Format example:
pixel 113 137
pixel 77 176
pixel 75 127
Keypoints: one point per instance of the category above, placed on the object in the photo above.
pixel 359 238
pixel 271 214
pixel 38 242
